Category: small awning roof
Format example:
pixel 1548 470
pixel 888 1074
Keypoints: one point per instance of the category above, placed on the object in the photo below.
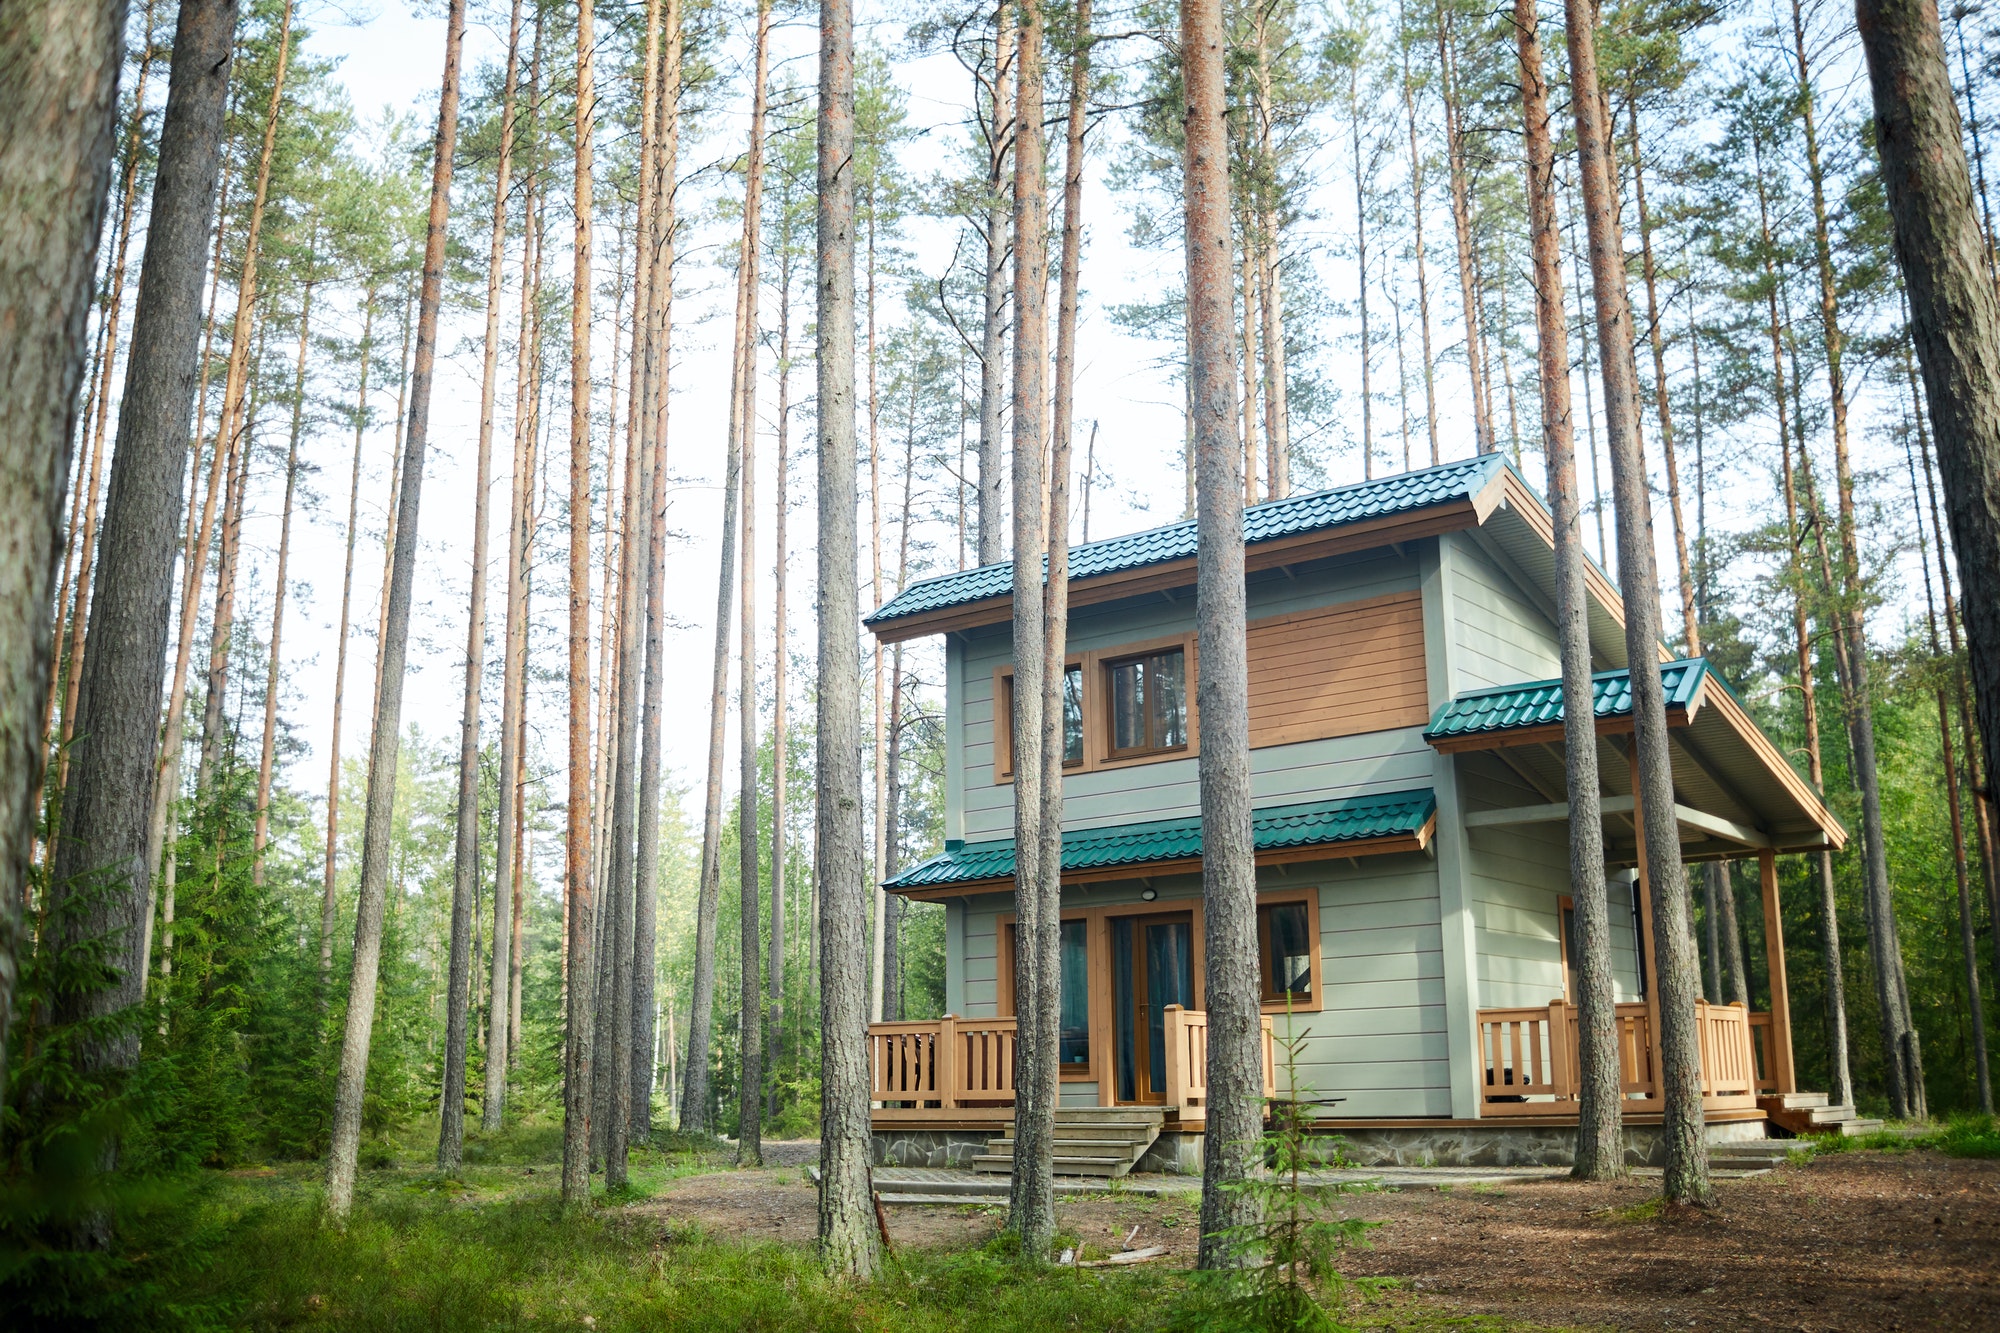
pixel 1737 792
pixel 1345 826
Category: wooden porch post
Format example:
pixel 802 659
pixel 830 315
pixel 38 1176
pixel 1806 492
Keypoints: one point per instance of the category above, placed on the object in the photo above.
pixel 1774 949
pixel 944 1070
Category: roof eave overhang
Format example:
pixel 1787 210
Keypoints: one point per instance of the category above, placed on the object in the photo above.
pixel 1389 530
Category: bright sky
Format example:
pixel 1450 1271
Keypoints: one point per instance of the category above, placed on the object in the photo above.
pixel 390 57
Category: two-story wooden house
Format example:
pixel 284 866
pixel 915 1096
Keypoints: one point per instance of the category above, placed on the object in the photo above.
pixel 1408 785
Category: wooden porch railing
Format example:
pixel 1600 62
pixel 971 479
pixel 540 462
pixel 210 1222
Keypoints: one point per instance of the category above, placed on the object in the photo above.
pixel 953 1064
pixel 1529 1058
pixel 947 1064
pixel 1187 1058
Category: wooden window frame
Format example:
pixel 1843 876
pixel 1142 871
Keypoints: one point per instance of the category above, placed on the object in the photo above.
pixel 1096 713
pixel 1106 666
pixel 1315 1001
pixel 1003 719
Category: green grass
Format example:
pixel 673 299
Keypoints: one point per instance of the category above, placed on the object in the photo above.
pixel 492 1248
pixel 1961 1136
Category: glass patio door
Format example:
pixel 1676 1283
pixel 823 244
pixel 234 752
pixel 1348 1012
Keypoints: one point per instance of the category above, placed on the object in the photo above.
pixel 1152 966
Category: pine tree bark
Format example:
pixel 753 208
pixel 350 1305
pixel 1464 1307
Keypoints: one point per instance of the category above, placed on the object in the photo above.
pixel 780 806
pixel 697 1100
pixel 1270 299
pixel 1968 946
pixel 268 747
pixel 1898 1036
pixel 660 317
pixel 750 1085
pixel 1229 875
pixel 349 1088
pixel 993 340
pixel 1417 222
pixel 1826 905
pixel 59 71
pixel 1600 1139
pixel 580 1017
pixel 1031 1212
pixel 1461 218
pixel 1675 971
pixel 329 900
pixel 465 851
pixel 1955 312
pixel 848 1245
pixel 492 1107
pixel 234 390
pixel 1690 618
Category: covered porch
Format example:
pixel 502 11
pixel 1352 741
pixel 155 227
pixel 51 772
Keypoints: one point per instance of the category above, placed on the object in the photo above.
pixel 1736 799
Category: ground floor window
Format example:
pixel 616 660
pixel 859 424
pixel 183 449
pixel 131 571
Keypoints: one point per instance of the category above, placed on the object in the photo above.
pixel 1284 945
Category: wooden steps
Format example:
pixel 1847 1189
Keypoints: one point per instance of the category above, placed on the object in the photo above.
pixel 1803 1113
pixel 1105 1141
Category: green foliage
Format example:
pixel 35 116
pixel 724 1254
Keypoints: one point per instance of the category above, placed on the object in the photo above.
pixel 1284 1278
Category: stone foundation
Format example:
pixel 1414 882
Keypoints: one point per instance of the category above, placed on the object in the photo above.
pixel 930 1147
pixel 1173 1154
pixel 1418 1144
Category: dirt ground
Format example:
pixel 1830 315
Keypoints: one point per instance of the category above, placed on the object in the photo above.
pixel 1852 1241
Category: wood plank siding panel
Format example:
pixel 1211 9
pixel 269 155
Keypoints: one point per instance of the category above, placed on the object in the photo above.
pixel 1517 876
pixel 1500 637
pixel 1339 670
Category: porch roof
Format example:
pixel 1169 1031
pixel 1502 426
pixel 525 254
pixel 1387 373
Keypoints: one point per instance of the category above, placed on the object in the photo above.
pixel 1740 791
pixel 1382 818
pixel 1539 703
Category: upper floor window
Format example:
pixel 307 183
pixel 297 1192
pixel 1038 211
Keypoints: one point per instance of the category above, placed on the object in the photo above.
pixel 1148 703
pixel 1072 716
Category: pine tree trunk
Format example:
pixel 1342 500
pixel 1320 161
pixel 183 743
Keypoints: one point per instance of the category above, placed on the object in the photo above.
pixel 1955 312
pixel 878 732
pixel 780 807
pixel 697 1108
pixel 1690 621
pixel 268 749
pixel 1417 222
pixel 1898 1036
pixel 60 102
pixel 847 1240
pixel 501 1030
pixel 329 901
pixel 1600 1140
pixel 1461 219
pixel 344 1157
pixel 1031 1213
pixel 659 314
pixel 579 1032
pixel 233 393
pixel 100 408
pixel 465 857
pixel 1826 905
pixel 993 341
pixel 750 1086
pixel 1675 969
pixel 1361 269
pixel 1277 407
pixel 1229 875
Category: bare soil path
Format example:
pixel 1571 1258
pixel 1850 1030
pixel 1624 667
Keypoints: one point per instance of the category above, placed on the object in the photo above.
pixel 1889 1241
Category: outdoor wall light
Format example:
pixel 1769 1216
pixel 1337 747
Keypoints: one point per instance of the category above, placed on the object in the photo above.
pixel 1147 895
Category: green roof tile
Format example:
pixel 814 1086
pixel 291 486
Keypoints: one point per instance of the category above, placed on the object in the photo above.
pixel 1538 703
pixel 1309 824
pixel 1289 517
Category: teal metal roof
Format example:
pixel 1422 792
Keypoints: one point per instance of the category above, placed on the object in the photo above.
pixel 1309 824
pixel 1314 512
pixel 1539 703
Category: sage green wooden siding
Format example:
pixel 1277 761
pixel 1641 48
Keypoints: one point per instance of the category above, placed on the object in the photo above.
pixel 1168 789
pixel 1500 635
pixel 1518 873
